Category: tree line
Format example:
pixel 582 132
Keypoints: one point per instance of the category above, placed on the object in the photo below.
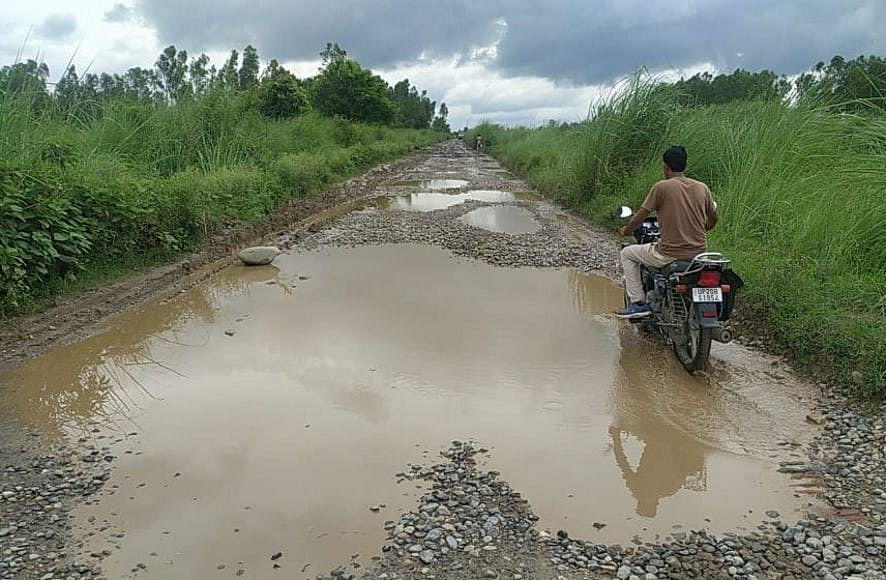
pixel 846 85
pixel 342 88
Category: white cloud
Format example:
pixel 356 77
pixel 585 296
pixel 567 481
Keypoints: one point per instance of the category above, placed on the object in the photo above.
pixel 94 44
pixel 57 26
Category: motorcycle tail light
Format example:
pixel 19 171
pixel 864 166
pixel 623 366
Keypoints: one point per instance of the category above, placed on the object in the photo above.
pixel 726 288
pixel 681 288
pixel 709 278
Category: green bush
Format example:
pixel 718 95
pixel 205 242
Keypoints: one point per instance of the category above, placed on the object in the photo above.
pixel 43 234
pixel 302 173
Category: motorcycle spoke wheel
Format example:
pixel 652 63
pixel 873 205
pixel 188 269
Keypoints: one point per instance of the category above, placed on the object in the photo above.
pixel 695 348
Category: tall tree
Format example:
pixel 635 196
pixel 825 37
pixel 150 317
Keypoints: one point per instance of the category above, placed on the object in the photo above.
pixel 346 89
pixel 172 68
pixel 67 89
pixel 280 94
pixel 333 52
pixel 249 68
pixel 414 110
pixel 199 74
pixel 440 123
pixel 141 83
pixel 740 85
pixel 228 75
pixel 848 85
pixel 111 86
pixel 24 77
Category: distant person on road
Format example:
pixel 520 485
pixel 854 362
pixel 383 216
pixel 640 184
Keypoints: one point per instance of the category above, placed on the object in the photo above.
pixel 479 143
pixel 686 212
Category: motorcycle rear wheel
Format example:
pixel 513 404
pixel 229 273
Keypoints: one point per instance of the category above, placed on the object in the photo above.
pixel 693 352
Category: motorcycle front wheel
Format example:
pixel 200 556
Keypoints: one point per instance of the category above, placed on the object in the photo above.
pixel 695 348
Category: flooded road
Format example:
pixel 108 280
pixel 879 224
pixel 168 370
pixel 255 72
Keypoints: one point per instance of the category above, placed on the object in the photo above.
pixel 268 409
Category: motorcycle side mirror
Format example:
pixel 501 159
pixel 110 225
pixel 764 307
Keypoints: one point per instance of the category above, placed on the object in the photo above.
pixel 625 212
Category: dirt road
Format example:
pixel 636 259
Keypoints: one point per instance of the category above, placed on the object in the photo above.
pixel 288 420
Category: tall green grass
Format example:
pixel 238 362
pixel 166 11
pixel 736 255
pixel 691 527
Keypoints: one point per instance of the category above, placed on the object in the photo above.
pixel 802 196
pixel 84 190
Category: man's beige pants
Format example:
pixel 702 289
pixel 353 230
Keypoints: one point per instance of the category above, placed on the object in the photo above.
pixel 631 258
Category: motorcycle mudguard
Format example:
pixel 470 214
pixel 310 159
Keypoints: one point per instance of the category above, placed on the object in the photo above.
pixel 712 319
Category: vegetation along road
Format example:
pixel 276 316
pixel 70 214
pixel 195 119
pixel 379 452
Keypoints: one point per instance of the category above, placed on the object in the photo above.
pixel 428 381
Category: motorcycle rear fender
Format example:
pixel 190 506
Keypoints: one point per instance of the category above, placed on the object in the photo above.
pixel 711 320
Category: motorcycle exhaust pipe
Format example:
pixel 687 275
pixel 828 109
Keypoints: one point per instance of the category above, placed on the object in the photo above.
pixel 723 335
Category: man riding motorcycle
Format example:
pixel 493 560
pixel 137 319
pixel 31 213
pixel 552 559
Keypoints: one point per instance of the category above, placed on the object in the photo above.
pixel 686 211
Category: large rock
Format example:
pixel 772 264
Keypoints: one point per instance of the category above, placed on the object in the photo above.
pixel 258 255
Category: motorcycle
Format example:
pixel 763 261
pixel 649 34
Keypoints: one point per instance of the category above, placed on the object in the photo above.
pixel 690 299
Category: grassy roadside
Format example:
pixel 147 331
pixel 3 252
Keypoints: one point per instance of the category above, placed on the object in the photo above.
pixel 86 200
pixel 801 193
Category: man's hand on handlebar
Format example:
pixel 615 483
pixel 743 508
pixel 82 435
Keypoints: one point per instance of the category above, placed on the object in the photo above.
pixel 623 231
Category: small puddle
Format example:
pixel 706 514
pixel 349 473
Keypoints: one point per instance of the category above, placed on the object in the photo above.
pixel 507 219
pixel 442 184
pixel 431 201
pixel 345 364
pixel 433 184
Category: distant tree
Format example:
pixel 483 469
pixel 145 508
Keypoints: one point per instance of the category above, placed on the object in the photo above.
pixel 740 85
pixel 440 123
pixel 89 87
pixel 172 68
pixel 67 89
pixel 853 85
pixel 280 94
pixel 199 74
pixel 26 80
pixel 141 83
pixel 228 75
pixel 111 86
pixel 332 53
pixel 414 110
pixel 346 89
pixel 249 68
pixel 24 77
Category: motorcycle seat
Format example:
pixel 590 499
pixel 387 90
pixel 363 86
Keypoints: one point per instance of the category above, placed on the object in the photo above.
pixel 675 267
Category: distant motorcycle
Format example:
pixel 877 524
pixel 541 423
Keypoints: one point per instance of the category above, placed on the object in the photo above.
pixel 690 299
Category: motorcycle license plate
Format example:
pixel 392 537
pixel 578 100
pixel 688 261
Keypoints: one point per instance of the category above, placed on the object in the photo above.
pixel 707 295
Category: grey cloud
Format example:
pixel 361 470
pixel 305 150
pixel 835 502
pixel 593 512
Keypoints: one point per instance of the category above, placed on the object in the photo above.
pixel 379 33
pixel 573 41
pixel 57 26
pixel 119 13
pixel 593 42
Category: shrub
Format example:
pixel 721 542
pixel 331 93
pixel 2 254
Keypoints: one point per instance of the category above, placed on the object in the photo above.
pixel 43 234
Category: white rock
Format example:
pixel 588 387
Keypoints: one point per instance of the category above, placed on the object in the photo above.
pixel 258 255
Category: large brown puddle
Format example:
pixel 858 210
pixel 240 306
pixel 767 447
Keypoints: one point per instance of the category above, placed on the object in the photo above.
pixel 345 364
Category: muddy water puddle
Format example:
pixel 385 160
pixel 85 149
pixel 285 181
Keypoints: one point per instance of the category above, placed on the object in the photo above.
pixel 273 407
pixel 431 201
pixel 433 184
pixel 507 219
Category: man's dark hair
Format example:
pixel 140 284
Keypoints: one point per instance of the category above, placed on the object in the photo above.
pixel 675 158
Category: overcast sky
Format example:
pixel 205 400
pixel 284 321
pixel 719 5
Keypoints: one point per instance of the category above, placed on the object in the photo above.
pixel 511 61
